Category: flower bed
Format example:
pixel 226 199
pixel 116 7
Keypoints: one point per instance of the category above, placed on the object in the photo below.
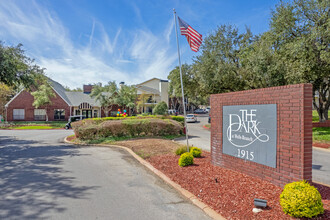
pixel 228 192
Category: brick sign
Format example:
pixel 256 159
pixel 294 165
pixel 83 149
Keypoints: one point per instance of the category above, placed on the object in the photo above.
pixel 249 132
pixel 265 133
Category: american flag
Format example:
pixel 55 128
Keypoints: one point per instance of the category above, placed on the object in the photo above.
pixel 193 37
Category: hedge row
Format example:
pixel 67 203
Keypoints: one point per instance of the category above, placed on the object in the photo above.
pixel 176 118
pixel 90 129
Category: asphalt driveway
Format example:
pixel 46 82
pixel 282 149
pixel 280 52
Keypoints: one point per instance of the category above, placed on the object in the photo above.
pixel 198 136
pixel 43 178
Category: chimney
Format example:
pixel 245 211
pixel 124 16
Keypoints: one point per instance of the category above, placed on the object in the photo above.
pixel 88 88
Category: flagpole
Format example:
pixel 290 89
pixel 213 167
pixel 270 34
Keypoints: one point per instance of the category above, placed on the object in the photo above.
pixel 184 105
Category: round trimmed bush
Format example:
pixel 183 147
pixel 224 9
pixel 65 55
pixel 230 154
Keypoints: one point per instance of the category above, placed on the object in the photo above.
pixel 196 152
pixel 186 159
pixel 300 199
pixel 180 150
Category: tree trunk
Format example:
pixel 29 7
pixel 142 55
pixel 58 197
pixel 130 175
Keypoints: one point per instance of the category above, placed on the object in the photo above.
pixel 322 107
pixel 46 113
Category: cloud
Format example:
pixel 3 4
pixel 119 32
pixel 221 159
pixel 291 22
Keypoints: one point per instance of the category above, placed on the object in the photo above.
pixel 168 30
pixel 132 56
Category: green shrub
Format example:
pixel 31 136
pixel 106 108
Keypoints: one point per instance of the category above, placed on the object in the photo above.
pixel 181 150
pixel 196 152
pixel 161 108
pixel 92 129
pixel 135 127
pixel 88 132
pixel 113 128
pixel 178 118
pixel 186 159
pixel 300 199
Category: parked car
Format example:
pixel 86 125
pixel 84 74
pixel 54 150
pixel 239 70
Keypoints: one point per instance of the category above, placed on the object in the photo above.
pixel 173 112
pixel 73 119
pixel 208 109
pixel 191 118
pixel 199 111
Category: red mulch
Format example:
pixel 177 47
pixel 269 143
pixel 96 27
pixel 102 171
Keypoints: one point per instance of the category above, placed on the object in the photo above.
pixel 233 193
pixel 322 145
pixel 70 138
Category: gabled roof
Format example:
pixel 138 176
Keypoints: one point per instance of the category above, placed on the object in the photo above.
pixel 148 81
pixel 76 98
pixel 60 90
pixel 148 90
pixel 73 98
pixel 13 98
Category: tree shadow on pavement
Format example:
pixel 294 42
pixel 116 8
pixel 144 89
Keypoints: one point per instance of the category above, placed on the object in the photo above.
pixel 32 179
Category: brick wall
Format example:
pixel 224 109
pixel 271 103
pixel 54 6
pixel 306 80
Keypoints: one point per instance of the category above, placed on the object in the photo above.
pixel 24 101
pixel 294 132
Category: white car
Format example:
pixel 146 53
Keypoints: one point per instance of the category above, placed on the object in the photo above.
pixel 191 118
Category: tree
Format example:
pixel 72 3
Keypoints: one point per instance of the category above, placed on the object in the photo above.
pixel 141 101
pixel 300 40
pixel 127 96
pixel 294 50
pixel 6 92
pixel 260 64
pixel 16 68
pixel 161 108
pixel 190 84
pixel 73 90
pixel 218 68
pixel 106 95
pixel 43 94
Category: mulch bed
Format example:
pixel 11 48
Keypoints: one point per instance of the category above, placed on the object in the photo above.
pixel 228 192
pixel 71 138
pixel 321 145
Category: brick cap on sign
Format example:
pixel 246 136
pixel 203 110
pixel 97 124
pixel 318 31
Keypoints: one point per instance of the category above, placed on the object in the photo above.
pixel 263 89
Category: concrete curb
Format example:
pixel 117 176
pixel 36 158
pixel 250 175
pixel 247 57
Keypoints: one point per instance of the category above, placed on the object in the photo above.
pixel 208 210
pixel 320 148
pixel 323 184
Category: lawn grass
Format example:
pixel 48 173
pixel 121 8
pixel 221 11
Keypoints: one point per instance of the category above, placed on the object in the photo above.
pixel 321 134
pixel 32 127
pixel 316 116
pixel 25 125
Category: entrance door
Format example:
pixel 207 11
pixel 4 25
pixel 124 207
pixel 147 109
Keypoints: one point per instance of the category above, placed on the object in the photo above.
pixel 87 113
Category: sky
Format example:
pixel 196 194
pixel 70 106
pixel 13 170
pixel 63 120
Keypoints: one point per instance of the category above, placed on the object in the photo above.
pixel 89 41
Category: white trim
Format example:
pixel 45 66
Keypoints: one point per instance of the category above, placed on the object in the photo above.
pixel 60 96
pixel 13 98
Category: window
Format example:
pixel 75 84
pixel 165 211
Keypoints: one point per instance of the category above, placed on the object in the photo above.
pixel 96 114
pixel 39 114
pixel 18 114
pixel 59 114
pixel 77 112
